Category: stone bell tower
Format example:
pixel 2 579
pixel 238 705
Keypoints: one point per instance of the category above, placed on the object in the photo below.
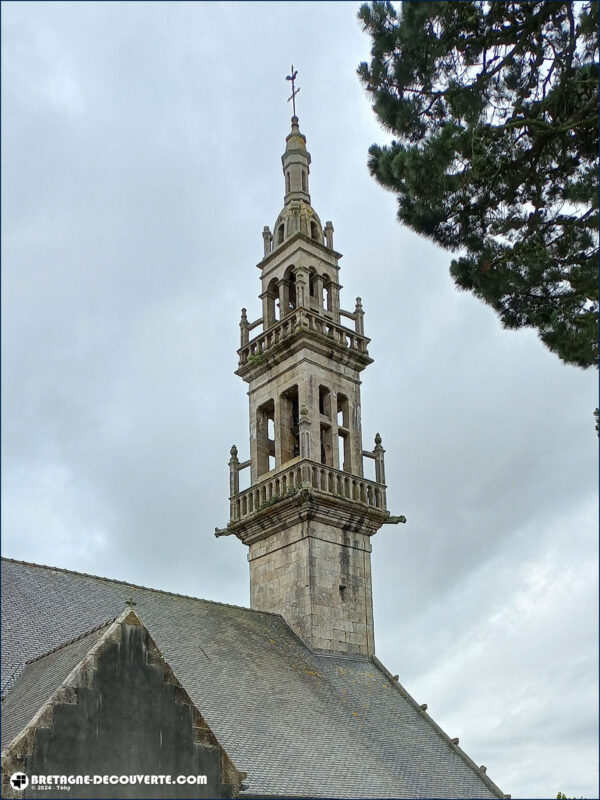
pixel 309 513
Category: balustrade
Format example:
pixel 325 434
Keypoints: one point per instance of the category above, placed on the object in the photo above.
pixel 299 318
pixel 306 475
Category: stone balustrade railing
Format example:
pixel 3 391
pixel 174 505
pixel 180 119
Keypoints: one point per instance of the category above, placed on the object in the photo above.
pixel 306 474
pixel 298 320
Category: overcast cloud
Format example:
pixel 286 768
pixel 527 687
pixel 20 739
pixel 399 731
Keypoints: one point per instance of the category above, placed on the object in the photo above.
pixel 141 150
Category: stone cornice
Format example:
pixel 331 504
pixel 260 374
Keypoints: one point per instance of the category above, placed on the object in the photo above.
pixel 308 505
pixel 300 238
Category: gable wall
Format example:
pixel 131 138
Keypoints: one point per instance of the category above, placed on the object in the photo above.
pixel 126 714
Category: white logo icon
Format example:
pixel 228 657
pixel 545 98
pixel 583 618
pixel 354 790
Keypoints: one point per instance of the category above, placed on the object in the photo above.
pixel 19 781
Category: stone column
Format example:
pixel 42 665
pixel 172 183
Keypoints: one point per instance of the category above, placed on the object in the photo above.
pixel 268 305
pixel 277 427
pixel 264 298
pixel 302 293
pixel 284 298
pixel 334 289
pixel 304 426
pixel 336 456
pixel 355 426
pixel 318 286
pixel 253 442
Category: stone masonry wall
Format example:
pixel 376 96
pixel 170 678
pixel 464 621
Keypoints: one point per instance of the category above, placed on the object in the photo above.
pixel 318 577
pixel 123 713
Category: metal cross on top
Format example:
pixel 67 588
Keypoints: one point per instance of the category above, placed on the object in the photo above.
pixel 295 91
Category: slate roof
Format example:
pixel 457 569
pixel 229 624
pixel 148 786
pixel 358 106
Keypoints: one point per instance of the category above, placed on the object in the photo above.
pixel 298 723
pixel 38 681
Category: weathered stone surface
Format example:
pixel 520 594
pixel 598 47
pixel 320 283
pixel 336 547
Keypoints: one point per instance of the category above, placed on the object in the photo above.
pixel 319 579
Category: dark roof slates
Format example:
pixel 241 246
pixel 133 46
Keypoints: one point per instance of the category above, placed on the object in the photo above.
pixel 284 714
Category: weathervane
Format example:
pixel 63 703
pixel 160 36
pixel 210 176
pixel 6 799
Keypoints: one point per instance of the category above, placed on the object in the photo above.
pixel 295 91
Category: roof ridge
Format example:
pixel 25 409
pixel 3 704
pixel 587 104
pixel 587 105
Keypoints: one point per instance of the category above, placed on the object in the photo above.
pixel 438 729
pixel 72 641
pixel 136 586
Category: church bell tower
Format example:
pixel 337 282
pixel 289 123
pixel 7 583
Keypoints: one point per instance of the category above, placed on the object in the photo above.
pixel 309 513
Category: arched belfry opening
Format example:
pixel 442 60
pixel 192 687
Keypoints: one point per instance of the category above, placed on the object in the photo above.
pixel 290 432
pixel 292 297
pixel 272 310
pixel 327 294
pixel 311 285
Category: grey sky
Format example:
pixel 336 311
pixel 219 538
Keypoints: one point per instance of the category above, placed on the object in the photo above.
pixel 141 150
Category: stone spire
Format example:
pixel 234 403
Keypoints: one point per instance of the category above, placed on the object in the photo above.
pixel 296 165
pixel 297 214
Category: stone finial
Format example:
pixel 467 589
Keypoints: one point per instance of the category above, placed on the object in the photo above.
pixel 234 472
pixel 379 462
pixel 455 741
pixel 244 329
pixel 483 769
pixel 295 138
pixel 329 234
pixel 267 240
pixel 359 317
pixel 423 707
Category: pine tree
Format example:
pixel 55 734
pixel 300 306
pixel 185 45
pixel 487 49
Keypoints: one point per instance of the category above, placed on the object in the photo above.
pixel 494 110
